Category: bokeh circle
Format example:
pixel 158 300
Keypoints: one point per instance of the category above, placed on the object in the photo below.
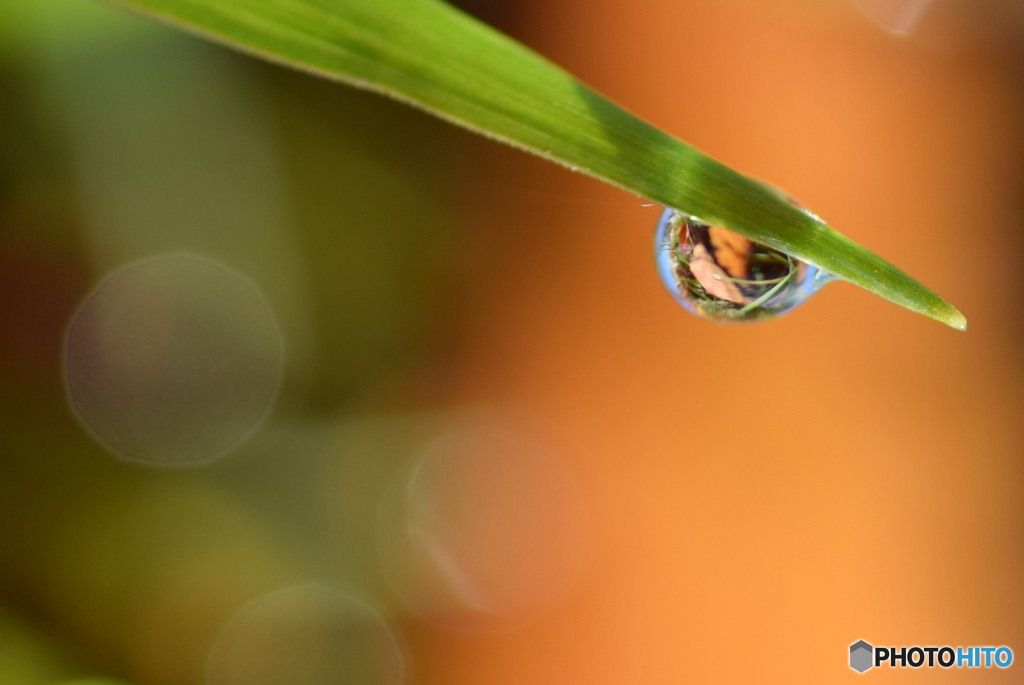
pixel 173 360
pixel 307 635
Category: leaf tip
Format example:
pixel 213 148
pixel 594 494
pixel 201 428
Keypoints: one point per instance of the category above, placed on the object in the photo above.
pixel 954 319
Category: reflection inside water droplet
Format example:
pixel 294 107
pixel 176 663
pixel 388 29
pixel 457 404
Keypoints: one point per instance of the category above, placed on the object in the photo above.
pixel 722 276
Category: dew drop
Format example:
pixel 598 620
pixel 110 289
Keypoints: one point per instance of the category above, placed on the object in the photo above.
pixel 722 276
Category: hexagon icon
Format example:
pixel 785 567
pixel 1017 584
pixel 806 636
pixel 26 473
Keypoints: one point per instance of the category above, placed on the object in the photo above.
pixel 861 656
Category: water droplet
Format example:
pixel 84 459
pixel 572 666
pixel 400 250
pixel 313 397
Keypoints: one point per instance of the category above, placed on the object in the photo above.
pixel 722 276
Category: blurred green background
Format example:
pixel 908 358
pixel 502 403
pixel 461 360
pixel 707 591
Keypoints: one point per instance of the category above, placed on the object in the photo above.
pixel 121 139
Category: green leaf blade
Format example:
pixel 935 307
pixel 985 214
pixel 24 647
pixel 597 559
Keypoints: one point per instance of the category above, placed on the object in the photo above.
pixel 433 56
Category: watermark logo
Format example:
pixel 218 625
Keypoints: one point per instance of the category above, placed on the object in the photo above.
pixel 864 657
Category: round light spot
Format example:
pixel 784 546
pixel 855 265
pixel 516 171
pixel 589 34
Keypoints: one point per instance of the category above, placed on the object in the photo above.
pixel 897 16
pixel 486 529
pixel 307 635
pixel 173 360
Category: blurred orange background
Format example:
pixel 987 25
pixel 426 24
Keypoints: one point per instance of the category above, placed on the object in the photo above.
pixel 768 495
pixel 678 501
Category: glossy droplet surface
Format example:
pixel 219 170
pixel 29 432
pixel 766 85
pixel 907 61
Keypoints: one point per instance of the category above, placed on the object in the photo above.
pixel 722 276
